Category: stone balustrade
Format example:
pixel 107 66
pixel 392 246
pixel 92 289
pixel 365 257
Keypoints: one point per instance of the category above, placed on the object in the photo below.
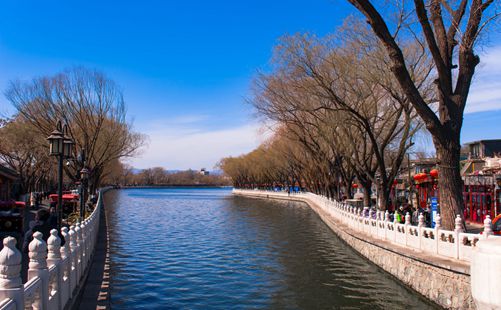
pixel 54 271
pixel 455 244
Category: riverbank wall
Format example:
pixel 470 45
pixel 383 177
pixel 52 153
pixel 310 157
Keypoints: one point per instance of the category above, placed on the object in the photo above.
pixel 444 280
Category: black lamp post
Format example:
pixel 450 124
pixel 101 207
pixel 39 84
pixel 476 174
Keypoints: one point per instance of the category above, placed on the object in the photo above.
pixel 84 175
pixel 60 145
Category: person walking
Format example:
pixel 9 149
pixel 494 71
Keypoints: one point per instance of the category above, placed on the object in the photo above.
pixel 44 222
pixel 399 214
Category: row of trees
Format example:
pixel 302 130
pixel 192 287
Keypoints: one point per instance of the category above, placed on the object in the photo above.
pixel 93 108
pixel 338 114
pixel 347 105
pixel 158 176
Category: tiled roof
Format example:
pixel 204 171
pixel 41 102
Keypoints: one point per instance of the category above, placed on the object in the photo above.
pixel 8 173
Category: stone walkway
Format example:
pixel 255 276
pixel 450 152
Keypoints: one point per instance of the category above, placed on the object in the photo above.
pixel 95 291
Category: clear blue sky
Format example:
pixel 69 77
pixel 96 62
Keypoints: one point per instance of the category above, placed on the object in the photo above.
pixel 185 66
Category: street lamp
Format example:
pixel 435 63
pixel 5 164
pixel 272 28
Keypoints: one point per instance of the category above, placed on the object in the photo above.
pixel 84 175
pixel 60 145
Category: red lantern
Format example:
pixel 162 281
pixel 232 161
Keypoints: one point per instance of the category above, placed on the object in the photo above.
pixel 354 185
pixel 395 182
pixel 420 176
pixel 434 173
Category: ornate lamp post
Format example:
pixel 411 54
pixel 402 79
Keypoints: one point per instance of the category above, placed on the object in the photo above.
pixel 60 145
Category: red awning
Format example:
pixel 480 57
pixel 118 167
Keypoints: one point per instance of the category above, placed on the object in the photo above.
pixel 53 197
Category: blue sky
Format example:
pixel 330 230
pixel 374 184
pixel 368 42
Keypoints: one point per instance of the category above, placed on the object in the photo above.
pixel 185 66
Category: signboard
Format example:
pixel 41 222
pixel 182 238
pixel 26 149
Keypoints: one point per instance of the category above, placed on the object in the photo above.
pixel 434 210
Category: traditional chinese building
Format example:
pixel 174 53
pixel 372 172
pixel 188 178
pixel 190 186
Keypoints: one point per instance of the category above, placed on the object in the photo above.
pixel 482 188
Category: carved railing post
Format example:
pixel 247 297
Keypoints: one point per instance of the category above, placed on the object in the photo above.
pixel 65 266
pixel 65 250
pixel 395 222
pixel 458 228
pixel 73 259
pixel 487 226
pixel 438 222
pixel 11 285
pixel 78 252
pixel 83 247
pixel 54 258
pixel 38 268
pixel 458 224
pixel 54 248
pixel 438 226
pixel 421 220
pixel 88 238
pixel 421 225
pixel 407 227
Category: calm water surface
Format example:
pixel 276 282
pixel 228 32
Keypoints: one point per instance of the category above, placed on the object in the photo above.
pixel 206 249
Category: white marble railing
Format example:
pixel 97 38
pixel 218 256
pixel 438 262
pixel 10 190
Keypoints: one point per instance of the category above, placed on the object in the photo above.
pixel 54 271
pixel 436 241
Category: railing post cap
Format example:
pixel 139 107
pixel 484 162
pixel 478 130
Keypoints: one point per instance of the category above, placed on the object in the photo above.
pixel 10 265
pixel 458 223
pixel 54 238
pixel 487 225
pixel 38 235
pixel 10 255
pixel 37 252
pixel 438 221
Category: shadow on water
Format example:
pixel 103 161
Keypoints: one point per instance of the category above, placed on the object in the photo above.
pixel 204 248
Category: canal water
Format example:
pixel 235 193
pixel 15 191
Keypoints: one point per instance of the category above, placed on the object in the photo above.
pixel 182 248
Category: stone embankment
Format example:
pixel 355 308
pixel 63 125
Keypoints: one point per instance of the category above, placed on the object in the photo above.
pixel 432 261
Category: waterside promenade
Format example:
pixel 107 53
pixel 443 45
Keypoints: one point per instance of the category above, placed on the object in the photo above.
pixel 454 269
pixel 56 273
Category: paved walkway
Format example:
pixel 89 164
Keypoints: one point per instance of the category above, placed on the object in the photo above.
pixel 95 292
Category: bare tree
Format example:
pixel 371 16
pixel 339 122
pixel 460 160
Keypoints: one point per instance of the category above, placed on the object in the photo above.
pixel 339 78
pixel 25 151
pixel 93 107
pixel 451 30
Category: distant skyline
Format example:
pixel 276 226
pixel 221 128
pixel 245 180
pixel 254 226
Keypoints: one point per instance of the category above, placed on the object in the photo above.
pixel 186 67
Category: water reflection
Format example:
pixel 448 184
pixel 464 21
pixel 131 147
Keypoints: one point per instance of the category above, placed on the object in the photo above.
pixel 204 248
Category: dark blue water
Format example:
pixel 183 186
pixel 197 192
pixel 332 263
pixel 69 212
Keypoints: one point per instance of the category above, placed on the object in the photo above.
pixel 206 249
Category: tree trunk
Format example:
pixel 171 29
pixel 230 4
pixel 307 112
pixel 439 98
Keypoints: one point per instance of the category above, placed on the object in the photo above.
pixel 367 195
pixel 450 183
pixel 383 197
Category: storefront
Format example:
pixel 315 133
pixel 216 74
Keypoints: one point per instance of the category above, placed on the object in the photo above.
pixel 482 196
pixel 426 185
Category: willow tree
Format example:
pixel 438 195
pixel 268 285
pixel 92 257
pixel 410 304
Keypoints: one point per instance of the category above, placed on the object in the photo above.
pixel 93 107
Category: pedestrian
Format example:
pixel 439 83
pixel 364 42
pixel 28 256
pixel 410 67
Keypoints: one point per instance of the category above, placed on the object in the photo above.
pixel 415 217
pixel 43 223
pixel 399 215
